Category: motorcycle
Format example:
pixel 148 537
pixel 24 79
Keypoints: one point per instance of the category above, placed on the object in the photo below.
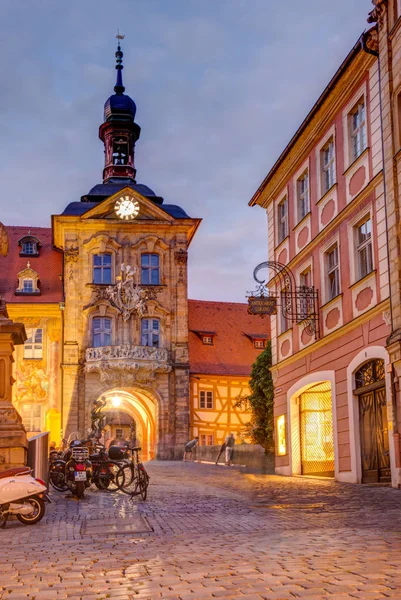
pixel 73 471
pixel 78 468
pixel 22 495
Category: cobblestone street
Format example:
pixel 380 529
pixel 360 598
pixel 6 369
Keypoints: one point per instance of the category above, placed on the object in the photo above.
pixel 210 532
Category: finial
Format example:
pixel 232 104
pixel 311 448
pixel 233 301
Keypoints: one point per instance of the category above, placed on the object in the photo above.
pixel 28 264
pixel 119 88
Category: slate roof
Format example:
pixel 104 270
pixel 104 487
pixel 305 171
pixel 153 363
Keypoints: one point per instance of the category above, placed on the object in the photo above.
pixel 48 265
pixel 232 352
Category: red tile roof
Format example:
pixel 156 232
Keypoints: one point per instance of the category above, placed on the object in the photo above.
pixel 48 265
pixel 232 352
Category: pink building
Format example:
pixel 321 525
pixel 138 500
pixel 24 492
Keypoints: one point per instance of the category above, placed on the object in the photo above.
pixel 324 200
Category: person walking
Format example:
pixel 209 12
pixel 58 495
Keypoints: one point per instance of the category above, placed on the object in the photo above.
pixel 188 448
pixel 230 441
pixel 222 449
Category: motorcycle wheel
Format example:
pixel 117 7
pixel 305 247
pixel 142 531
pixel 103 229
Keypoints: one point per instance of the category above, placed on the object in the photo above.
pixel 38 511
pixel 108 480
pixel 79 489
pixel 57 476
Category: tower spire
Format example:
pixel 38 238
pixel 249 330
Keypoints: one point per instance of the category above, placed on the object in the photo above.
pixel 119 87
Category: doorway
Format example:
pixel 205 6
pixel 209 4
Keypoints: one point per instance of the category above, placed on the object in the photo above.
pixel 373 425
pixel 316 431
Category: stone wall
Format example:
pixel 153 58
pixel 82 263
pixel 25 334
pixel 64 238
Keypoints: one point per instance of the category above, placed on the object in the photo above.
pixel 250 456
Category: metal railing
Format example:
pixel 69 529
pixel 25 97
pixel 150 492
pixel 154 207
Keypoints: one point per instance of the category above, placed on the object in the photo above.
pixel 38 455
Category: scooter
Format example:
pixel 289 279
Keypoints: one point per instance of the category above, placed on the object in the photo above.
pixel 22 495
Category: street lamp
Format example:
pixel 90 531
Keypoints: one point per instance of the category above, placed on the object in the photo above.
pixel 116 401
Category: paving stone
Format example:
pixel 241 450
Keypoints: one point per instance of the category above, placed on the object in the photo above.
pixel 207 533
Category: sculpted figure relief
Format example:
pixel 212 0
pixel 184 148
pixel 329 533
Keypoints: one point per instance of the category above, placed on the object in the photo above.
pixel 127 296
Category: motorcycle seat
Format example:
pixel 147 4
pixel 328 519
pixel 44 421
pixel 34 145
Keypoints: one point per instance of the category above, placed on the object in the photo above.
pixel 15 471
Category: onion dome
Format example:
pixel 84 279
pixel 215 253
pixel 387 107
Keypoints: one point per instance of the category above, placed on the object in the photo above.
pixel 119 106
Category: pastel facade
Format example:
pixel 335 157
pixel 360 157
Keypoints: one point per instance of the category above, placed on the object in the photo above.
pixel 325 205
pixel 386 45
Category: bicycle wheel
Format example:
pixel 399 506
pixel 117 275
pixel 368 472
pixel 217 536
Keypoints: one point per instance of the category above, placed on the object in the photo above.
pixel 126 478
pixel 142 482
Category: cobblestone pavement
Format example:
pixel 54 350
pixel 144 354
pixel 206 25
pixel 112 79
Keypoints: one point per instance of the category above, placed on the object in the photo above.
pixel 210 532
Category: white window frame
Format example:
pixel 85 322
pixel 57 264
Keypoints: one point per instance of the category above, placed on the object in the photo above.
pixel 28 285
pixel 150 269
pixel 29 248
pixel 334 269
pixel 206 399
pixel 303 196
pixel 102 268
pixel 282 220
pixel 207 340
pixel 33 347
pixel 102 330
pixel 360 95
pixel 259 344
pixel 304 307
pixel 357 134
pixel 327 169
pixel 361 247
pixel 150 330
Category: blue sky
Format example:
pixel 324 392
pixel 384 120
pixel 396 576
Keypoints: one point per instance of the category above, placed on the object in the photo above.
pixel 220 86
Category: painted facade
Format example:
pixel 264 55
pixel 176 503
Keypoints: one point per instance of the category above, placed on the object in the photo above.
pixel 385 43
pixel 326 212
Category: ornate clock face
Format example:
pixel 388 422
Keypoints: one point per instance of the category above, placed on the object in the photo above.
pixel 126 208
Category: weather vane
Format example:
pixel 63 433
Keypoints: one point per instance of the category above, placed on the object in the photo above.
pixel 120 36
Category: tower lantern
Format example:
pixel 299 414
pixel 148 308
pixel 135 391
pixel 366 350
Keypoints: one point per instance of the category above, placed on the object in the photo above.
pixel 119 132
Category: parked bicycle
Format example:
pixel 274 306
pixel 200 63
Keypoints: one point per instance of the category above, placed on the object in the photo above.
pixel 132 476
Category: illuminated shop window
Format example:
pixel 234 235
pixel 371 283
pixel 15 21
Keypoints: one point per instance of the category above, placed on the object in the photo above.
pixel 281 435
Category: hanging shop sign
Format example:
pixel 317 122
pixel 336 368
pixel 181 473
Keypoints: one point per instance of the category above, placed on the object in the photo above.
pixel 262 305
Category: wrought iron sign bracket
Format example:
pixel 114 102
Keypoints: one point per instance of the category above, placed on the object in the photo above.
pixel 298 304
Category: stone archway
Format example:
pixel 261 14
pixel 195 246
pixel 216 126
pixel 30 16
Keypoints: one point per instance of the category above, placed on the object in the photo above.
pixel 142 407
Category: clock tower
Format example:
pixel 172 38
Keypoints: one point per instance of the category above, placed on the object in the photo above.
pixel 119 132
pixel 125 304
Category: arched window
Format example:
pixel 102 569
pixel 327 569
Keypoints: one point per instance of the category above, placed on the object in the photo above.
pixel 150 332
pixel 101 331
pixel 370 373
pixel 150 269
pixel 102 268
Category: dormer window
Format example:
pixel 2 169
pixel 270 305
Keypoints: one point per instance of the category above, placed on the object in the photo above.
pixel 28 282
pixel 207 339
pixel 259 340
pixel 259 344
pixel 29 246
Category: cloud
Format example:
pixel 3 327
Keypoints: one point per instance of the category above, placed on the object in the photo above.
pixel 220 89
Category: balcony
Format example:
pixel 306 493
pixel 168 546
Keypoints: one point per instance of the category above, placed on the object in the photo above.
pixel 126 363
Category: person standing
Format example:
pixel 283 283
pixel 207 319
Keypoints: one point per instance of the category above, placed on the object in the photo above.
pixel 230 441
pixel 188 448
